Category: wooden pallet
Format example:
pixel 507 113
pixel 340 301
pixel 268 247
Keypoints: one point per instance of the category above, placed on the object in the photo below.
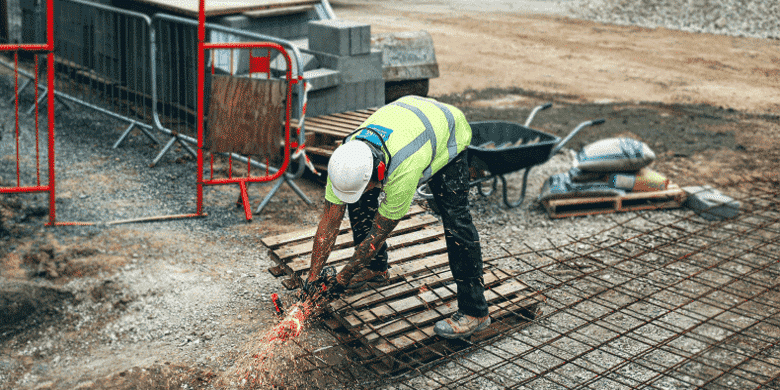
pixel 391 327
pixel 324 133
pixel 672 197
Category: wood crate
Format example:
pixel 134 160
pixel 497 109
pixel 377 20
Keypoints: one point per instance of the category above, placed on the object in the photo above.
pixel 391 327
pixel 672 197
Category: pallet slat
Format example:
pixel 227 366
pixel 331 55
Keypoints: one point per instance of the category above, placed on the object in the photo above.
pixel 399 343
pixel 424 299
pixel 396 255
pixel 673 197
pixel 343 240
pixel 381 331
pixel 300 235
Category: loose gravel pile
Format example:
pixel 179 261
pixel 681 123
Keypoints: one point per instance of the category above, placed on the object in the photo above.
pixel 749 18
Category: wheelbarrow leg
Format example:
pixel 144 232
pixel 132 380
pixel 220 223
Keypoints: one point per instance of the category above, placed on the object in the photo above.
pixel 491 191
pixel 522 192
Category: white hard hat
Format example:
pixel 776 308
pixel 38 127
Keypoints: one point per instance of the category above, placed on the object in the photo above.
pixel 350 168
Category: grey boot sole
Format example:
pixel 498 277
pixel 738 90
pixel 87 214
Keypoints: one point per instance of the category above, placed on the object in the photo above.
pixel 451 336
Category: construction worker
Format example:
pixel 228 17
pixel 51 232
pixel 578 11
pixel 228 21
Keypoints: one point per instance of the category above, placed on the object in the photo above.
pixel 411 141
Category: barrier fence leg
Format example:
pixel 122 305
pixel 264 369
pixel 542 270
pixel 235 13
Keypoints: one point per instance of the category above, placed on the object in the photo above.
pixel 168 146
pixel 124 135
pixel 298 190
pixel 19 91
pixel 42 102
pixel 245 201
pixel 270 194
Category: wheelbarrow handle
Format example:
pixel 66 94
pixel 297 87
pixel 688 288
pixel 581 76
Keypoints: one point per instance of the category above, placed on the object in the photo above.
pixel 534 111
pixel 574 132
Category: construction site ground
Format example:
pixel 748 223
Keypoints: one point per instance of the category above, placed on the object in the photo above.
pixel 174 304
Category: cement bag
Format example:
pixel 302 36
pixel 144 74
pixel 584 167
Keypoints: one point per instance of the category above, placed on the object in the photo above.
pixel 560 186
pixel 614 155
pixel 646 180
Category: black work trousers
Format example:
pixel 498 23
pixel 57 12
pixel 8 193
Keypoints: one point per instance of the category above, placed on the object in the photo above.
pixel 450 188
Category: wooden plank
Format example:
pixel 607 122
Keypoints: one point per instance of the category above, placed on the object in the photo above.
pixel 277 11
pixel 222 7
pixel 276 271
pixel 424 299
pixel 319 151
pixel 346 124
pixel 330 128
pixel 415 321
pixel 302 264
pixel 343 240
pixel 337 122
pixel 572 207
pixel 352 116
pixel 316 129
pixel 373 297
pixel 299 235
pixel 396 344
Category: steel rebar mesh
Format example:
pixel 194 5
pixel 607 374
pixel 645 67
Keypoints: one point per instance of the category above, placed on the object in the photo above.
pixel 659 300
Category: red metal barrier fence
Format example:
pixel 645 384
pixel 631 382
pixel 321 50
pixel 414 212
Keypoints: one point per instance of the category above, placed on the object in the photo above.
pixel 36 50
pixel 232 100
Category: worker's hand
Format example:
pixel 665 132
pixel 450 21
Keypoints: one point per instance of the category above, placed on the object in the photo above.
pixel 310 287
pixel 336 290
pixel 319 286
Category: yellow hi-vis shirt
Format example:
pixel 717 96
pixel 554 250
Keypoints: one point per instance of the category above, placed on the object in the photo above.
pixel 425 136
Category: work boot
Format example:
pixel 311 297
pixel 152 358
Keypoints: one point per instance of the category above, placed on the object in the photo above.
pixel 460 325
pixel 367 277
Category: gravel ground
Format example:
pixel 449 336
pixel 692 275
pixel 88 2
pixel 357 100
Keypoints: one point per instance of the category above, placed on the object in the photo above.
pixel 749 18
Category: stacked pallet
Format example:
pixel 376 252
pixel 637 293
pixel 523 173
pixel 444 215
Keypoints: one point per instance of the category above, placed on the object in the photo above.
pixel 391 327
pixel 324 133
pixel 672 197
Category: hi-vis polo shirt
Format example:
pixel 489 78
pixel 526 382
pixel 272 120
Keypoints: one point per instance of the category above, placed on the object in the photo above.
pixel 424 135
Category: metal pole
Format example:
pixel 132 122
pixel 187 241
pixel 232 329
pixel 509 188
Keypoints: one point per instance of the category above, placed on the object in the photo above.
pixel 50 109
pixel 201 79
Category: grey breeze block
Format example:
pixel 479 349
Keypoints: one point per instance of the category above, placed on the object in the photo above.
pixel 339 37
pixel 709 203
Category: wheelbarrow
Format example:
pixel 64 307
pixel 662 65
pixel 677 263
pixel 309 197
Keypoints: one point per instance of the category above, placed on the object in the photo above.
pixel 498 148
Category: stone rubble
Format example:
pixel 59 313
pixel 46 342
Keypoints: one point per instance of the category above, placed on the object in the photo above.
pixel 742 18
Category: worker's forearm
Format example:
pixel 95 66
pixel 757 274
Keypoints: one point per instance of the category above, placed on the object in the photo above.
pixel 327 231
pixel 367 249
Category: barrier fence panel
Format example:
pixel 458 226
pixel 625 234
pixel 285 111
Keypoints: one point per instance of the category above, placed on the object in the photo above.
pixel 143 71
pixel 175 110
pixel 22 143
pixel 246 116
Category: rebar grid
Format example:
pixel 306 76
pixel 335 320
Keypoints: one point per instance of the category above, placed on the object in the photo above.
pixel 659 300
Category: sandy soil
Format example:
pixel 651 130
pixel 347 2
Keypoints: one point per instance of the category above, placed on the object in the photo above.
pixel 508 47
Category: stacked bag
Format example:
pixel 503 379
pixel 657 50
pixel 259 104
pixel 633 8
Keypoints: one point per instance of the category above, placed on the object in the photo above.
pixel 609 167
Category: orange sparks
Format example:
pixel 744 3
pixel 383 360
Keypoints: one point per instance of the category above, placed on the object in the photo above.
pixel 292 324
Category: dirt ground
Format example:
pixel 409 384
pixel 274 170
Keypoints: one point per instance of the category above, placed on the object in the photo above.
pixel 708 105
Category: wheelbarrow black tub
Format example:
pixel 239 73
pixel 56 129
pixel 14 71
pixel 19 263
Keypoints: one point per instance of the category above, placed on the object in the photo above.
pixel 499 161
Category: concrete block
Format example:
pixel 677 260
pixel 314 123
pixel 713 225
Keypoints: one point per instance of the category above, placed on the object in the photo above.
pixel 710 204
pixel 278 63
pixel 322 78
pixel 339 37
pixel 355 68
pixel 238 22
pixel 346 97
